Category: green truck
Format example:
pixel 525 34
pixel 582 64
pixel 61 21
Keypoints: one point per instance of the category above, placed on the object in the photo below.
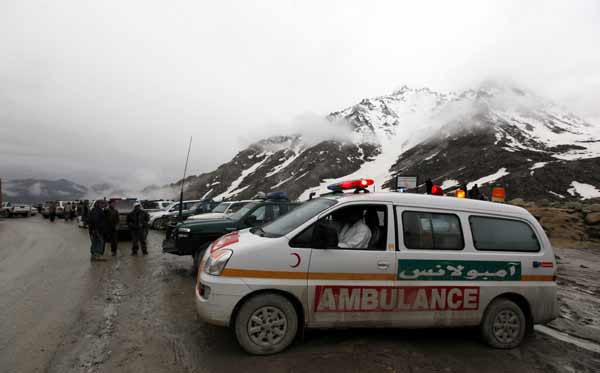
pixel 192 237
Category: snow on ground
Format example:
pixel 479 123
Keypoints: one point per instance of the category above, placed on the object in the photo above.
pixel 400 122
pixel 297 152
pixel 236 183
pixel 556 194
pixel 450 183
pixel 207 193
pixel 586 191
pixel 282 182
pixel 538 165
pixel 489 178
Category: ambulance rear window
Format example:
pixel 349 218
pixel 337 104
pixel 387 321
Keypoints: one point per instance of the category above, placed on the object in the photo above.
pixel 496 234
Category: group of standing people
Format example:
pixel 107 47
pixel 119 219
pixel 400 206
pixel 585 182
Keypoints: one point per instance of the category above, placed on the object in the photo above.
pixel 473 193
pixel 103 224
pixel 70 210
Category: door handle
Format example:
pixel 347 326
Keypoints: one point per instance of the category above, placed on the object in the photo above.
pixel 383 265
pixel 230 229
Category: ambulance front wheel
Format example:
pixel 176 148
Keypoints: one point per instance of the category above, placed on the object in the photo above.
pixel 504 324
pixel 266 324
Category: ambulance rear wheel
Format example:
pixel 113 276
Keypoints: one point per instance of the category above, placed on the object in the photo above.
pixel 266 324
pixel 504 324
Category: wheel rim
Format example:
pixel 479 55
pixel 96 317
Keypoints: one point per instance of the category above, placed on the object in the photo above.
pixel 160 224
pixel 506 326
pixel 267 326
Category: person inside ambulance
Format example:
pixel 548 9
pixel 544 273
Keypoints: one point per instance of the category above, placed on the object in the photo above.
pixel 354 232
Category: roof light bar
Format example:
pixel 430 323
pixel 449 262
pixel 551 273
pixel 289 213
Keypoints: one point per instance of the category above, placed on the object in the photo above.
pixel 351 184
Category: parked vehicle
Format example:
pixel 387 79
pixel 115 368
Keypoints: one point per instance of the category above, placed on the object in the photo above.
pixel 221 211
pixel 124 206
pixel 430 261
pixel 155 205
pixel 197 209
pixel 6 209
pixel 193 237
pixel 159 219
pixel 11 209
pixel 33 210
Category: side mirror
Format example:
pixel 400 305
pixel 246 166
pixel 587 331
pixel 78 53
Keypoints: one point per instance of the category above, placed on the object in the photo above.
pixel 325 236
pixel 251 220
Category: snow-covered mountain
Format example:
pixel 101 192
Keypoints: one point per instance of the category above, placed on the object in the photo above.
pixel 495 134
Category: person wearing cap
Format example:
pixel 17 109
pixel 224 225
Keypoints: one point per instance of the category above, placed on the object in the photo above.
pixel 137 220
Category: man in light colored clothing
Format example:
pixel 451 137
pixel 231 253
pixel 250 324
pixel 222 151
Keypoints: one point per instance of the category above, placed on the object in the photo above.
pixel 354 233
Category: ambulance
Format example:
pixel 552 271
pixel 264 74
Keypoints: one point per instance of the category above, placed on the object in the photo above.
pixel 425 261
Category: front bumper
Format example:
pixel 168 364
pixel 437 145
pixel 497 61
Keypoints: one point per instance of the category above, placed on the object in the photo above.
pixel 217 307
pixel 174 246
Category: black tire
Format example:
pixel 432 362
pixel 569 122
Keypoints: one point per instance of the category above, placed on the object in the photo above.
pixel 276 330
pixel 159 224
pixel 504 324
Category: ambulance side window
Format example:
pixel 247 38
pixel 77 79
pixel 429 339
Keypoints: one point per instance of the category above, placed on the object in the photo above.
pixel 371 235
pixel 496 234
pixel 432 231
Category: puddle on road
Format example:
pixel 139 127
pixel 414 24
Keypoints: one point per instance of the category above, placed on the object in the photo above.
pixel 579 342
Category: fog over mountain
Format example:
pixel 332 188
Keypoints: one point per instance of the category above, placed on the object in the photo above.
pixel 109 92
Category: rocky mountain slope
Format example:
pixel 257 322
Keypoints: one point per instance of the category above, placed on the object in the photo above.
pixel 494 134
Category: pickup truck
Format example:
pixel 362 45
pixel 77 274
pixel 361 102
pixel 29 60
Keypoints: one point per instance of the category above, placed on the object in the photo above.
pixel 193 237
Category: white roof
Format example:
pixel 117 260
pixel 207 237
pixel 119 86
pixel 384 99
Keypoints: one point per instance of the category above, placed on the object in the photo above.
pixel 435 202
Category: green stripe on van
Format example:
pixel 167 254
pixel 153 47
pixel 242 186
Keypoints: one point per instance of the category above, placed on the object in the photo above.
pixel 458 270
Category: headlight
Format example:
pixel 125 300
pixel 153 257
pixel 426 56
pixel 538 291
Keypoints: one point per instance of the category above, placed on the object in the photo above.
pixel 217 261
pixel 183 232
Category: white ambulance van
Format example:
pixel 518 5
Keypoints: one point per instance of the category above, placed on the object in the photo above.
pixel 381 260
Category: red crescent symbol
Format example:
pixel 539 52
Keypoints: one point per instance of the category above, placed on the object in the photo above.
pixel 298 260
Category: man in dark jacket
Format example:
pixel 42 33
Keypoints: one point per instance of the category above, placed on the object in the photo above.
pixel 137 220
pixel 97 229
pixel 112 223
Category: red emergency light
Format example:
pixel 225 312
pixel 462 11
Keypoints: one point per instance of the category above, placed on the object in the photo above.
pixel 437 190
pixel 351 184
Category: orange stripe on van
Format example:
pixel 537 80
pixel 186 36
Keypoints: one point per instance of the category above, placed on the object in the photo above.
pixel 537 278
pixel 230 272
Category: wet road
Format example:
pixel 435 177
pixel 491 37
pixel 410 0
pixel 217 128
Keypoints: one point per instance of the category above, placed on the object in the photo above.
pixel 61 313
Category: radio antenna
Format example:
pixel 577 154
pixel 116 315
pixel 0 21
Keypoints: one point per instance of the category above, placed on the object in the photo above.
pixel 180 218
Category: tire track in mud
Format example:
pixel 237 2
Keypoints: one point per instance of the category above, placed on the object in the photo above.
pixel 87 346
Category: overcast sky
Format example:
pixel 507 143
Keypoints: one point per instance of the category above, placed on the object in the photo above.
pixel 111 90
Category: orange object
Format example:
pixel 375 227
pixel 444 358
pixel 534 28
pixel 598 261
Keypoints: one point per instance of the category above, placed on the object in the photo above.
pixel 498 194
pixel 459 193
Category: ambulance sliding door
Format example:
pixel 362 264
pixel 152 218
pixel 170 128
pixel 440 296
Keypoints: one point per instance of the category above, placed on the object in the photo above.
pixel 344 284
pixel 433 286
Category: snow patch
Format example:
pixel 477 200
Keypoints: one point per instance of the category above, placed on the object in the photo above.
pixel 236 183
pixel 586 191
pixel 206 194
pixel 450 183
pixel 282 182
pixel 489 178
pixel 538 165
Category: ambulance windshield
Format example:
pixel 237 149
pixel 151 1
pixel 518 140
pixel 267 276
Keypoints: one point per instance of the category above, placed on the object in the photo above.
pixel 288 222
